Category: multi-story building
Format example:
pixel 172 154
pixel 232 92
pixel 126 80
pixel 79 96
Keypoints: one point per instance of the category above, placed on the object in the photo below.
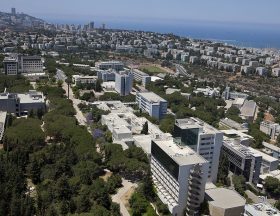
pixel 152 104
pixel 115 65
pixel 271 150
pixel 17 64
pixel 260 209
pixel 106 75
pixel 270 128
pixel 227 94
pixel 242 161
pixel 3 116
pixel 269 163
pixel 124 82
pixel 10 65
pixel 203 139
pixel 30 64
pixel 179 175
pixel 140 76
pixel 82 79
pixel 22 104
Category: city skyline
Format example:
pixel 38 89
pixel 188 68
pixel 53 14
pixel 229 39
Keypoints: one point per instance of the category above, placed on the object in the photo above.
pixel 212 11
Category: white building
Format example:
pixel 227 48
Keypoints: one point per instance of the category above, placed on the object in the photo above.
pixel 276 72
pixel 152 104
pixel 140 76
pixel 260 209
pixel 203 139
pixel 82 79
pixel 179 176
pixel 124 82
pixel 208 92
pixel 271 150
pixel 270 128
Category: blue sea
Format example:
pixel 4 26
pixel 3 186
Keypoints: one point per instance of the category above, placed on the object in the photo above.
pixel 240 34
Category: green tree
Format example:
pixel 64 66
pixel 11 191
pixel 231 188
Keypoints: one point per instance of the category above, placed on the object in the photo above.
pixel 239 183
pixel 223 170
pixel 145 129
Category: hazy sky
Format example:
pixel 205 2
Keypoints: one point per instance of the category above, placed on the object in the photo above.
pixel 241 11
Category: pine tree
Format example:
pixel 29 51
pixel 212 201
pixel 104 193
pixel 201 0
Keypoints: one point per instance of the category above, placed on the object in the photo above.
pixel 145 129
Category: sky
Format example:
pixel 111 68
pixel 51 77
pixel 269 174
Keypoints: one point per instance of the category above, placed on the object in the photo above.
pixel 225 11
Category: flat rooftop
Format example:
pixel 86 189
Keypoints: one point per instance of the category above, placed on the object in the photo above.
pixel 265 157
pixel 244 150
pixel 151 97
pixel 270 146
pixel 261 209
pixel 225 198
pixel 189 123
pixel 248 108
pixel 181 155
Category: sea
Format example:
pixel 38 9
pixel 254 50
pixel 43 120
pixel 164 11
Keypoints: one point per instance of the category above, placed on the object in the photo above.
pixel 232 33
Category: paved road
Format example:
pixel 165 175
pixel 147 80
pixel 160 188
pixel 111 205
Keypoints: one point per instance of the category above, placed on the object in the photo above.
pixel 60 75
pixel 117 198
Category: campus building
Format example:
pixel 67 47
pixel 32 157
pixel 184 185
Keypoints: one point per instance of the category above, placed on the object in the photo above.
pixel 179 175
pixel 140 76
pixel 18 64
pixel 114 65
pixel 270 128
pixel 124 82
pixel 106 75
pixel 22 104
pixel 242 161
pixel 203 139
pixel 82 79
pixel 152 104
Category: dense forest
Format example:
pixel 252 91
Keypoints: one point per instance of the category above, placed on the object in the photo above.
pixel 55 155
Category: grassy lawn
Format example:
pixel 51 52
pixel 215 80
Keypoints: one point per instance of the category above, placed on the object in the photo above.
pixel 150 69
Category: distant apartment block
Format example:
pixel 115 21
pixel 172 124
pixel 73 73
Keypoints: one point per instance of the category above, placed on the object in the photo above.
pixel 124 82
pixel 276 72
pixel 152 104
pixel 14 65
pixel 106 75
pixel 22 104
pixel 179 175
pixel 242 160
pixel 82 79
pixel 261 71
pixel 3 116
pixel 203 139
pixel 115 65
pixel 270 128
